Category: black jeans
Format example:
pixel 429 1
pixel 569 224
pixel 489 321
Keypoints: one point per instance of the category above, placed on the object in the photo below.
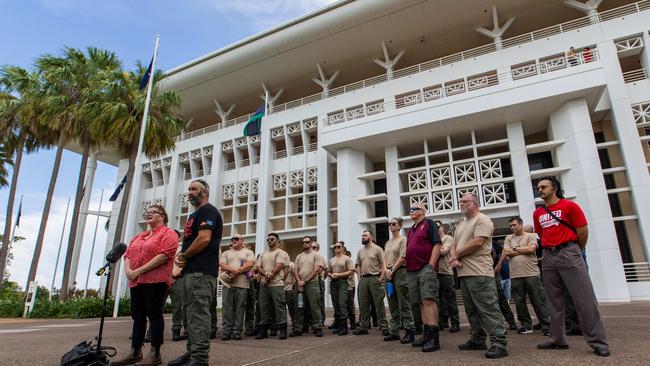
pixel 147 301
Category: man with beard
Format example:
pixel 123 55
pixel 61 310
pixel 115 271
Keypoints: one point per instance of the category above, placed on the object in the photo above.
pixel 371 268
pixel 199 258
pixel 307 268
pixel 270 267
pixel 236 264
pixel 562 227
pixel 470 253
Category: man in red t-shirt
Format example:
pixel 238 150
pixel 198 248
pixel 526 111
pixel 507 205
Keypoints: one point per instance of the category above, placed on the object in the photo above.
pixel 563 231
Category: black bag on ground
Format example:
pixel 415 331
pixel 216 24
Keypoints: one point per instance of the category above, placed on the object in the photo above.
pixel 85 354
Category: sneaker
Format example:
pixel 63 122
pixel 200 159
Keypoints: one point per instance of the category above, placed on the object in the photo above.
pixel 496 352
pixel 472 346
pixel 525 330
pixel 552 345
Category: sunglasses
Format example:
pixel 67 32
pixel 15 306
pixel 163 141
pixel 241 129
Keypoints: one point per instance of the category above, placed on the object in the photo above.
pixel 270 239
pixel 235 239
pixel 337 247
pixel 392 223
pixel 414 209
pixel 306 242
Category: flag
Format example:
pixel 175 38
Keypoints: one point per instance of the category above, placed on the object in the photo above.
pixel 118 190
pixel 254 125
pixel 146 76
pixel 20 212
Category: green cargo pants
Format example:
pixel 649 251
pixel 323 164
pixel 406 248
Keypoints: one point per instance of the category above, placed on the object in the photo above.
pixel 399 304
pixel 251 301
pixel 311 298
pixel 482 309
pixel 234 307
pixel 371 290
pixel 339 292
pixel 533 287
pixel 198 291
pixel 447 305
pixel 504 306
pixel 272 302
pixel 179 316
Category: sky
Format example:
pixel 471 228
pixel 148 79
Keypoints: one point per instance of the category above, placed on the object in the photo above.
pixel 188 29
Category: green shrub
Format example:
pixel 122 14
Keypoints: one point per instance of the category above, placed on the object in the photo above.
pixel 11 308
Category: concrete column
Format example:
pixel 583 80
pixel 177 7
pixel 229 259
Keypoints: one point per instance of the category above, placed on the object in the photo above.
pixel 88 190
pixel 122 168
pixel 350 164
pixel 323 231
pixel 521 171
pixel 585 179
pixel 628 137
pixel 172 192
pixel 393 183
pixel 264 191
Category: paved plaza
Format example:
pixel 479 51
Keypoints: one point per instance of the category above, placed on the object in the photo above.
pixel 42 342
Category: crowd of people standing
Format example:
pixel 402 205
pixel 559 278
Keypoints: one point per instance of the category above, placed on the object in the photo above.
pixel 418 271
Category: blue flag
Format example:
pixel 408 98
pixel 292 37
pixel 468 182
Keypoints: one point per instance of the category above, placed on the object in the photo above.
pixel 146 76
pixel 254 125
pixel 20 212
pixel 118 190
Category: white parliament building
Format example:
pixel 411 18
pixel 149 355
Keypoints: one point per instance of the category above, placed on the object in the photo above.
pixel 376 104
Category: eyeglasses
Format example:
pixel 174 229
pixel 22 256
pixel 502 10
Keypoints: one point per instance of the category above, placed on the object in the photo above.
pixel 466 201
pixel 414 209
pixel 235 239
pixel 337 247
pixel 392 223
pixel 151 213
pixel 306 242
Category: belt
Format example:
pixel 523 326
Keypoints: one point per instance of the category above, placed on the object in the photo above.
pixel 557 248
pixel 369 275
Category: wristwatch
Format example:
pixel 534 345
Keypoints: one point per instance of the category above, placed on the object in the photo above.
pixel 183 256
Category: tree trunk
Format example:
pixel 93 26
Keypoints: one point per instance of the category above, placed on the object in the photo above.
pixel 46 213
pixel 66 286
pixel 6 238
pixel 126 192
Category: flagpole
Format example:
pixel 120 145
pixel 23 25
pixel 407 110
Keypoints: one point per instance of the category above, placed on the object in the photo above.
pixel 135 180
pixel 92 248
pixel 13 231
pixel 58 253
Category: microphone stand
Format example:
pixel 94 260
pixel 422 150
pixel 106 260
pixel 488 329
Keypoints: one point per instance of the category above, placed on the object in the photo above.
pixel 99 352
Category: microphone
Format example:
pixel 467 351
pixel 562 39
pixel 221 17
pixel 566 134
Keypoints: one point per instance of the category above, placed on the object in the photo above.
pixel 113 256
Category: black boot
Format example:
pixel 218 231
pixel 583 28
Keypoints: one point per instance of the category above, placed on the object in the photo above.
pixel 343 328
pixel 262 332
pixel 274 330
pixel 420 342
pixel 335 326
pixel 283 331
pixel 433 339
pixel 176 335
pixel 408 338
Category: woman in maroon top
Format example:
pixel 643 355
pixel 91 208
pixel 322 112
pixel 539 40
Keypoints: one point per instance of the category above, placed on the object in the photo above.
pixel 148 265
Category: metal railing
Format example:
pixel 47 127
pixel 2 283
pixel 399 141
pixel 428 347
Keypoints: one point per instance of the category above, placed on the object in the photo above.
pixel 464 85
pixel 297 150
pixel 215 127
pixel 244 162
pixel 312 146
pixel 280 154
pixel 231 165
pixel 636 272
pixel 187 175
pixel 635 75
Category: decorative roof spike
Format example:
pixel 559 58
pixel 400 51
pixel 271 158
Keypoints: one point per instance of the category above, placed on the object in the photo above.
pixel 388 63
pixel 497 31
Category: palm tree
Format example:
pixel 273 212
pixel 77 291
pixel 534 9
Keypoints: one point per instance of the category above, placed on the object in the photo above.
pixel 6 161
pixel 73 84
pixel 16 119
pixel 124 111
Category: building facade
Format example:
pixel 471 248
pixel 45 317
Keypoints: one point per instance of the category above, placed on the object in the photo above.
pixel 349 150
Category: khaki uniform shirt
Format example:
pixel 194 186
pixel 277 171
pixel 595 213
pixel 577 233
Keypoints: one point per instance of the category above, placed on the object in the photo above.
pixel 351 282
pixel 268 260
pixel 370 259
pixel 341 264
pixel 478 263
pixel 288 277
pixel 523 265
pixel 443 263
pixel 323 263
pixel 395 249
pixel 236 259
pixel 306 263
